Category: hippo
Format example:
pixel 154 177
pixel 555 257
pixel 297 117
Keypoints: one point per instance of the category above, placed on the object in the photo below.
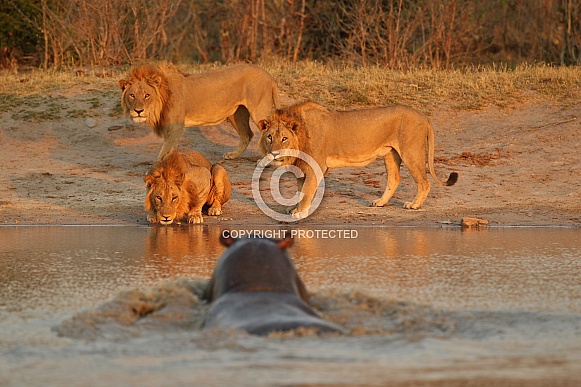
pixel 256 288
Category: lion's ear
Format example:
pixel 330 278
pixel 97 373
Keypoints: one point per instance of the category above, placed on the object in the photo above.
pixel 294 125
pixel 124 84
pixel 155 80
pixel 263 125
pixel 149 180
pixel 179 179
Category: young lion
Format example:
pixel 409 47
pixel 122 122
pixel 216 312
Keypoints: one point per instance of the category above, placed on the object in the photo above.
pixel 182 184
pixel 353 138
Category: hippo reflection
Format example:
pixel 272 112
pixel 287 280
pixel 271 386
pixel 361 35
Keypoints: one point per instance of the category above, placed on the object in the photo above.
pixel 256 288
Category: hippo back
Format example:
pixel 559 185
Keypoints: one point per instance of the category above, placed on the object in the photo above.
pixel 255 287
pixel 254 265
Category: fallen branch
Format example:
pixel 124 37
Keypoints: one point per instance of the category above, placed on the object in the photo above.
pixel 573 118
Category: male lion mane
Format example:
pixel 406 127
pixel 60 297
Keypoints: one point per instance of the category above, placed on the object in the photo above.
pixel 199 185
pixel 154 77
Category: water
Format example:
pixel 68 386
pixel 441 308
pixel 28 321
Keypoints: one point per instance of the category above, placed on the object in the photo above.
pixel 493 297
pixel 66 268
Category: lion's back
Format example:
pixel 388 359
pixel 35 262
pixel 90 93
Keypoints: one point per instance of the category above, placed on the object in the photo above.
pixel 181 162
pixel 195 158
pixel 355 136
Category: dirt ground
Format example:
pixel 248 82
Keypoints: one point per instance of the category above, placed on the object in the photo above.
pixel 517 167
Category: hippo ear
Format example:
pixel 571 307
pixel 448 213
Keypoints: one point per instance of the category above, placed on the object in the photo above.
pixel 227 241
pixel 285 243
pixel 263 125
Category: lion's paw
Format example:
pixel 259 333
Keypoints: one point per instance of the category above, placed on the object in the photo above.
pixel 195 219
pixel 231 155
pixel 299 214
pixel 214 211
pixel 378 203
pixel 151 218
pixel 411 206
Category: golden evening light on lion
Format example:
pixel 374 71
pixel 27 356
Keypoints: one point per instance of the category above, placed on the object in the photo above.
pixel 354 138
pixel 169 100
pixel 182 184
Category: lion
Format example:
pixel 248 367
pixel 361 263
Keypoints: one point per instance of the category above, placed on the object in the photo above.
pixel 182 184
pixel 353 138
pixel 169 100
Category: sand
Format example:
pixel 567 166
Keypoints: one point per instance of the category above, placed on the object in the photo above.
pixel 517 166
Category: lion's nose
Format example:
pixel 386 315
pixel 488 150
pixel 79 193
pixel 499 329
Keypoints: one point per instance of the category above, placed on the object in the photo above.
pixel 275 154
pixel 138 111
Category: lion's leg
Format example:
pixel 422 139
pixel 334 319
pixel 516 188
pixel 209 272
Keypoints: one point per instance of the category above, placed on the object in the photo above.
pixel 417 169
pixel 392 164
pixel 241 122
pixel 220 192
pixel 309 189
pixel 200 186
pixel 196 205
pixel 170 140
pixel 195 215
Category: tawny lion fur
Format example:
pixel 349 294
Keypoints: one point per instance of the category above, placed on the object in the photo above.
pixel 182 184
pixel 354 138
pixel 169 100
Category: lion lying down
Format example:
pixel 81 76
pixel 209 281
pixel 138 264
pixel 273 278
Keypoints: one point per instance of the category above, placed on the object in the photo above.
pixel 353 138
pixel 168 100
pixel 182 184
pixel 256 288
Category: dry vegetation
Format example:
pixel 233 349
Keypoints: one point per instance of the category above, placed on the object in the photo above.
pixel 38 95
pixel 394 33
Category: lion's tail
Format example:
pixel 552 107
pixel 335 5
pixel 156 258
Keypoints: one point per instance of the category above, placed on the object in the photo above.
pixel 453 178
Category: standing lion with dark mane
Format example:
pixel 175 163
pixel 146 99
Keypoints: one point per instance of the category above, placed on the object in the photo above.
pixel 182 184
pixel 353 139
pixel 169 100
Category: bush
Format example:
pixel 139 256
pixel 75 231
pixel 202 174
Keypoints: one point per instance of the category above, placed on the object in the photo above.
pixel 391 33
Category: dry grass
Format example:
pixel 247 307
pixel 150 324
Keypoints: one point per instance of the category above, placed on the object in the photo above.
pixel 335 86
pixel 426 89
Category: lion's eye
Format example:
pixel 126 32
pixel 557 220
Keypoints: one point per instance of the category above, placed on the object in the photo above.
pixel 146 96
pixel 284 139
pixel 269 137
pixel 132 96
pixel 174 198
pixel 158 198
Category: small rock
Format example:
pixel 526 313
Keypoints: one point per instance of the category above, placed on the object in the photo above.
pixel 90 122
pixel 473 222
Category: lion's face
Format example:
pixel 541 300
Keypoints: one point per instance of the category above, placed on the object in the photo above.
pixel 146 95
pixel 166 200
pixel 278 134
pixel 139 100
